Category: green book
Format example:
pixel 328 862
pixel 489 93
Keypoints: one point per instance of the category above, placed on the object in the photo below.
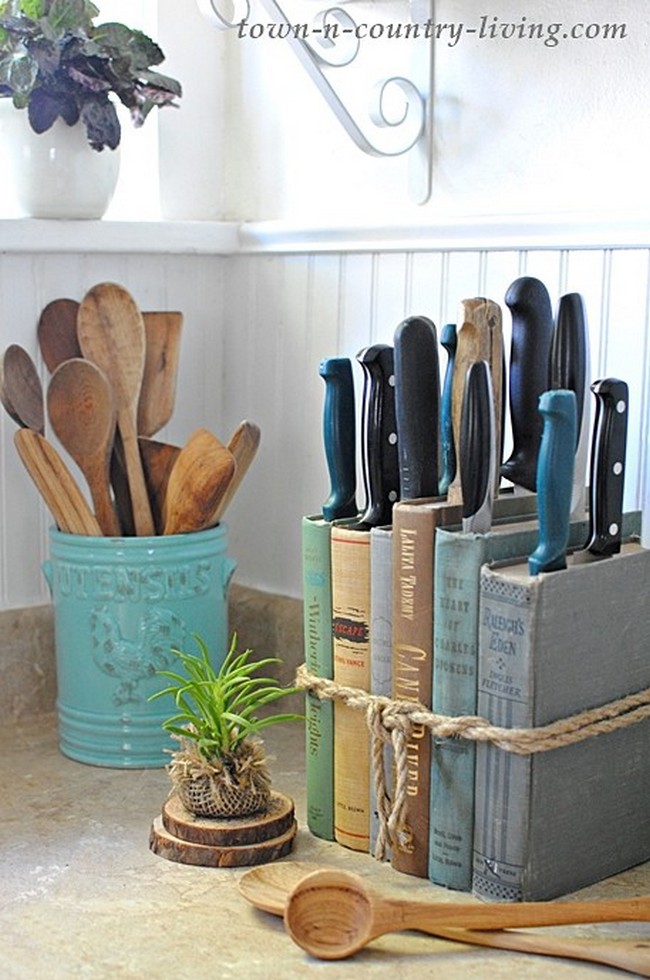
pixel 317 619
pixel 459 557
pixel 551 646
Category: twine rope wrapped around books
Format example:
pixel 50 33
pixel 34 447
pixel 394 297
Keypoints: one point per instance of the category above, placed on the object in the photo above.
pixel 391 721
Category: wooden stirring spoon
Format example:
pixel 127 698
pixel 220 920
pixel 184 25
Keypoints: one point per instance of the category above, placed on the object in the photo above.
pixel 331 914
pixel 111 334
pixel 269 886
pixel 243 445
pixel 55 483
pixel 158 389
pixel 158 460
pixel 199 478
pixel 81 408
pixel 21 391
pixel 57 332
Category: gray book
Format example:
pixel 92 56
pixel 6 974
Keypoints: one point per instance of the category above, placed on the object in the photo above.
pixel 381 644
pixel 551 646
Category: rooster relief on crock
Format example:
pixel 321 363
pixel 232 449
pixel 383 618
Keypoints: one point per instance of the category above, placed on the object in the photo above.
pixel 131 660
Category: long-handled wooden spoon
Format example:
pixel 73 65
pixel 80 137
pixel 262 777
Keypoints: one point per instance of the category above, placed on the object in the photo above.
pixel 158 460
pixel 199 478
pixel 331 914
pixel 21 391
pixel 81 408
pixel 57 332
pixel 158 389
pixel 243 445
pixel 55 483
pixel 111 334
pixel 269 886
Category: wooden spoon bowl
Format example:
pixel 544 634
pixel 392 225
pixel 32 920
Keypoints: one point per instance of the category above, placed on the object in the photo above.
pixel 21 391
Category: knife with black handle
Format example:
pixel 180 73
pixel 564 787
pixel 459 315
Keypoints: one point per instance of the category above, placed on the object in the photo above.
pixel 554 480
pixel 339 437
pixel 569 369
pixel 477 449
pixel 607 467
pixel 417 406
pixel 379 451
pixel 448 340
pixel 532 330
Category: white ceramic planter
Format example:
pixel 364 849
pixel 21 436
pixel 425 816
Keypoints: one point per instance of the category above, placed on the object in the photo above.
pixel 55 174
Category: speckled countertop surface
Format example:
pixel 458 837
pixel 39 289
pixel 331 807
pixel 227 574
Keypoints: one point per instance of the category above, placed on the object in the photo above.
pixel 83 896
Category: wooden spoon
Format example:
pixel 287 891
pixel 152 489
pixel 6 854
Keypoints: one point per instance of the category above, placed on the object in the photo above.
pixel 55 483
pixel 158 389
pixel 268 888
pixel 111 334
pixel 81 408
pixel 243 445
pixel 21 391
pixel 331 914
pixel 199 478
pixel 57 332
pixel 158 460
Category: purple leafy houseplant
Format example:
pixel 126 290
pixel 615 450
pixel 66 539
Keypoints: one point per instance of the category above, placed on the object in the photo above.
pixel 57 63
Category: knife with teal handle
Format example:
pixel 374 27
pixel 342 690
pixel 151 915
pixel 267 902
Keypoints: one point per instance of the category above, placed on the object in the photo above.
pixel 554 480
pixel 448 340
pixel 339 437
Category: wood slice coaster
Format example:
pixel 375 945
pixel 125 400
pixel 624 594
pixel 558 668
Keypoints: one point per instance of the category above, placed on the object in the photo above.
pixel 231 831
pixel 172 848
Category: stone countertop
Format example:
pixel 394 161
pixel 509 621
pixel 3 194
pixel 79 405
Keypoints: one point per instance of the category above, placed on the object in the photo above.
pixel 82 895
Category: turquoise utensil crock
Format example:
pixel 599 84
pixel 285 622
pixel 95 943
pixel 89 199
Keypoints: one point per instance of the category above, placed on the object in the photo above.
pixel 120 605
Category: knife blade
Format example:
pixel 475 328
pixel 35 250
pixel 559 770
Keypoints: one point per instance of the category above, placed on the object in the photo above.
pixel 477 449
pixel 479 337
pixel 607 469
pixel 532 328
pixel 554 480
pixel 569 369
pixel 379 453
pixel 448 340
pixel 417 406
pixel 339 437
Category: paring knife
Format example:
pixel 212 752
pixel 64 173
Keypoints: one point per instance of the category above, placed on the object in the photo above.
pixel 339 437
pixel 532 329
pixel 379 451
pixel 478 449
pixel 554 480
pixel 608 467
pixel 417 406
pixel 569 369
pixel 448 340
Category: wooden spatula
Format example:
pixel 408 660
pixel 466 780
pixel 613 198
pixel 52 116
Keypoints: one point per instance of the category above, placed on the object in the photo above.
pixel 243 445
pixel 111 334
pixel 158 389
pixel 158 459
pixel 199 478
pixel 55 483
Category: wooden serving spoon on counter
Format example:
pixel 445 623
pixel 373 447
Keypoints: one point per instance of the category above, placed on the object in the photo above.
pixel 322 913
pixel 57 332
pixel 21 391
pixel 198 480
pixel 55 483
pixel 111 333
pixel 81 408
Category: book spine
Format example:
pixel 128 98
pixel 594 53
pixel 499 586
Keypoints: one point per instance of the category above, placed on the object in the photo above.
pixel 381 646
pixel 317 620
pixel 507 616
pixel 350 556
pixel 413 536
pixel 455 640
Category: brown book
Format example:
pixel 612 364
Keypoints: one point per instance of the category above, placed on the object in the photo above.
pixel 351 649
pixel 414 528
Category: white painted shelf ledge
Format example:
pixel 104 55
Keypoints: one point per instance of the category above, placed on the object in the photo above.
pixel 125 237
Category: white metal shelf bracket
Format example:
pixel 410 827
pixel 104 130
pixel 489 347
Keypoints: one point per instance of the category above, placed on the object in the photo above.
pixel 386 116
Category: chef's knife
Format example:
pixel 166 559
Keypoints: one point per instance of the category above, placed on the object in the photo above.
pixel 477 449
pixel 532 330
pixel 569 369
pixel 379 435
pixel 417 406
pixel 339 423
pixel 554 480
pixel 608 467
pixel 448 340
